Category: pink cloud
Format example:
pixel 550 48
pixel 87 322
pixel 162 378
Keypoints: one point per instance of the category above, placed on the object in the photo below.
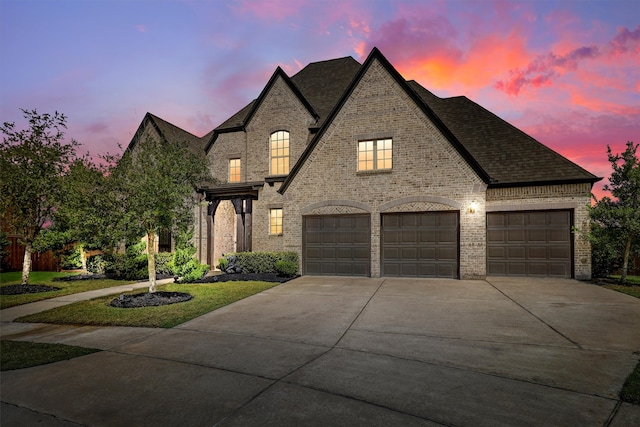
pixel 141 28
pixel 546 68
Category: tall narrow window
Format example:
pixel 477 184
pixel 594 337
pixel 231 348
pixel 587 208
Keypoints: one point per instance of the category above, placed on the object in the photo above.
pixel 279 152
pixel 375 154
pixel 234 170
pixel 275 221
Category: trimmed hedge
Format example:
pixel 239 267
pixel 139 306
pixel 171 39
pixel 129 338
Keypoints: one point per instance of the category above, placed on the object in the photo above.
pixel 263 262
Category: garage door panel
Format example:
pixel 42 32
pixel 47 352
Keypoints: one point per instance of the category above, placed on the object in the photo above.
pixel 516 252
pixel 529 243
pixel 337 245
pixel 409 237
pixel 427 245
pixel 410 253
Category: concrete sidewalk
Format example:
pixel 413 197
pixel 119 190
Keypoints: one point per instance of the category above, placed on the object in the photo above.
pixel 345 351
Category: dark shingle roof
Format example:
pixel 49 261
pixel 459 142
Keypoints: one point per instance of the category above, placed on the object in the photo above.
pixel 323 83
pixel 508 155
pixel 171 133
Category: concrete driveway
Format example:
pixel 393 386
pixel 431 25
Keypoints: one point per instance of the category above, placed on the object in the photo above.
pixel 345 351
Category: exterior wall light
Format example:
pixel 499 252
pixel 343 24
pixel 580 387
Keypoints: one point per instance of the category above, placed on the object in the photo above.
pixel 473 207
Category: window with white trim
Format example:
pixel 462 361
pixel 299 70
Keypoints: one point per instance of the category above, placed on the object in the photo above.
pixel 376 154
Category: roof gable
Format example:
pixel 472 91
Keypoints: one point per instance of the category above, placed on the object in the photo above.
pixel 376 55
pixel 169 132
pixel 242 118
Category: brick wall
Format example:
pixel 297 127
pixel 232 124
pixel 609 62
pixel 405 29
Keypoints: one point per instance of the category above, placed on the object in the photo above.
pixel 427 174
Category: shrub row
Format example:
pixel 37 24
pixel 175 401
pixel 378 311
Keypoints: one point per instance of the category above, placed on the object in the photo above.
pixel 285 263
pixel 132 265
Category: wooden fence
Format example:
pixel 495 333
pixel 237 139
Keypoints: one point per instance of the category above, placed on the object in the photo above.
pixel 46 261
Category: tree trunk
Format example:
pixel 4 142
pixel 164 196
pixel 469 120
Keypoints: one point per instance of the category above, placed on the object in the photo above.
pixel 83 257
pixel 625 261
pixel 26 263
pixel 151 249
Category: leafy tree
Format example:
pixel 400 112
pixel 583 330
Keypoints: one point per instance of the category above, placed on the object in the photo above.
pixel 155 183
pixel 620 217
pixel 85 214
pixel 32 162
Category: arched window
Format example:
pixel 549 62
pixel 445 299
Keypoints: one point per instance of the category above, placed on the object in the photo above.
pixel 279 152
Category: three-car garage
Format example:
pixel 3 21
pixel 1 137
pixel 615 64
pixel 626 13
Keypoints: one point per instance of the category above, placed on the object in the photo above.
pixel 427 244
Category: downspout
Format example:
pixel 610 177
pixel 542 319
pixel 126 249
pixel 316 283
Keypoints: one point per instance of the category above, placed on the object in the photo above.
pixel 200 228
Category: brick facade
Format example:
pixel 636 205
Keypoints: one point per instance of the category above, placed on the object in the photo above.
pixel 428 174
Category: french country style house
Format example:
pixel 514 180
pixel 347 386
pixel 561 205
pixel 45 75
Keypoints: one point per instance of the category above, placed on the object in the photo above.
pixel 363 173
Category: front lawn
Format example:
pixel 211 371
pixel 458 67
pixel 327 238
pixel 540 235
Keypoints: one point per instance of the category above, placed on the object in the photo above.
pixel 23 354
pixel 631 288
pixel 206 297
pixel 46 278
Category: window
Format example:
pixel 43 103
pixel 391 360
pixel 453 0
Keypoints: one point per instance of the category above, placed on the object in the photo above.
pixel 279 152
pixel 375 154
pixel 275 221
pixel 234 170
pixel 164 241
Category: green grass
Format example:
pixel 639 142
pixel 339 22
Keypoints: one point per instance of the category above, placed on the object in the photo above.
pixel 46 278
pixel 206 297
pixel 631 280
pixel 631 388
pixel 22 354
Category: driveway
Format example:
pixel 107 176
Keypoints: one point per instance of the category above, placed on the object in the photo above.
pixel 347 351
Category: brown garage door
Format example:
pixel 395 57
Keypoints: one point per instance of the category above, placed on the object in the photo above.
pixel 423 244
pixel 337 245
pixel 533 243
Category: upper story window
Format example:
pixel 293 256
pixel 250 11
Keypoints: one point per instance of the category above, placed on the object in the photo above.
pixel 234 170
pixel 279 152
pixel 375 154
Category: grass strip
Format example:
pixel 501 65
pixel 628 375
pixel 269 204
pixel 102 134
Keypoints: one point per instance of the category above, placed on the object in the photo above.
pixel 24 354
pixel 206 297
pixel 631 389
pixel 46 278
pixel 634 291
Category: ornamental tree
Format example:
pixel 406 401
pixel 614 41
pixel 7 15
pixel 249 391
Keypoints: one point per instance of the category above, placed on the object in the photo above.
pixel 32 163
pixel 155 183
pixel 620 216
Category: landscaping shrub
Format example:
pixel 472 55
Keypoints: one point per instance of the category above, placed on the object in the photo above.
pixel 186 266
pixel 223 263
pixel 132 265
pixel 286 268
pixel 164 263
pixel 96 264
pixel 71 259
pixel 263 262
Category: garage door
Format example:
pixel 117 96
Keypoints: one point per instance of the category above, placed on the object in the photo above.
pixel 337 245
pixel 423 244
pixel 535 243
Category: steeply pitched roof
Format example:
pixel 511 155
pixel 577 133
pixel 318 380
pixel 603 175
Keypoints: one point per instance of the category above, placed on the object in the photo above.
pixel 169 132
pixel 507 154
pixel 501 154
pixel 323 83
pixel 319 86
pixel 375 55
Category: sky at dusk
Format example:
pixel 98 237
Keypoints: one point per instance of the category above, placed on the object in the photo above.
pixel 565 72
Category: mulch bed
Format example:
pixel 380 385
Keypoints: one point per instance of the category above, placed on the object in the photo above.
pixel 263 277
pixel 150 299
pixel 26 289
